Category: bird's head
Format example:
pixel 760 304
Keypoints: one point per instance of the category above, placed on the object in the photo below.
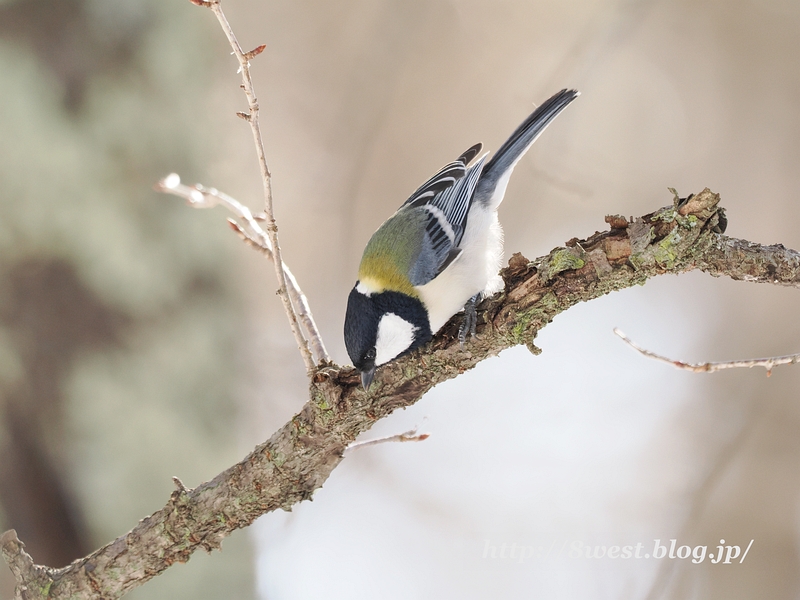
pixel 381 326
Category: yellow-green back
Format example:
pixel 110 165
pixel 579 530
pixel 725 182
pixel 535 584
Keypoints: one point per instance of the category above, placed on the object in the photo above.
pixel 391 251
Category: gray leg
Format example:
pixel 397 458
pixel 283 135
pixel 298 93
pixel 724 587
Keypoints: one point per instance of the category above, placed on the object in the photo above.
pixel 470 319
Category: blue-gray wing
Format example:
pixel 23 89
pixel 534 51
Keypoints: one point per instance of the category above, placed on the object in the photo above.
pixel 443 202
pixel 437 245
pixel 446 177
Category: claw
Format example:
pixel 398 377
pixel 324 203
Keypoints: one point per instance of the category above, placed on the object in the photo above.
pixel 470 323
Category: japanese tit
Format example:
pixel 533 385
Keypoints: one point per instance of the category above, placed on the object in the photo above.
pixel 440 252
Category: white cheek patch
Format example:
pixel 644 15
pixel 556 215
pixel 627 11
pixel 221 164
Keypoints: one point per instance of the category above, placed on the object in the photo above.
pixel 395 335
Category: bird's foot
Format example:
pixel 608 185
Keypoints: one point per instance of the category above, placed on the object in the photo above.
pixel 470 323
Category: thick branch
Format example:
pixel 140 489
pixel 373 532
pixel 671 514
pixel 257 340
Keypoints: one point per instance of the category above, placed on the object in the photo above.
pixel 299 457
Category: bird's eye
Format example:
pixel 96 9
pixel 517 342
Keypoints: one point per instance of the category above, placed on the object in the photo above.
pixel 370 355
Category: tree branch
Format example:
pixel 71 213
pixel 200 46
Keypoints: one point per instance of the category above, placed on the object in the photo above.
pixel 407 436
pixel 768 363
pixel 266 177
pixel 300 456
pixel 199 196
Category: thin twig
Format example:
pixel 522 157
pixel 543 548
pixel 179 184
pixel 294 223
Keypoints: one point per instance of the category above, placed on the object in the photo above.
pixel 272 228
pixel 710 367
pixel 408 436
pixel 198 196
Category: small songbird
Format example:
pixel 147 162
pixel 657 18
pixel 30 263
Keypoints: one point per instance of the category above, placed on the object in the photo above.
pixel 440 252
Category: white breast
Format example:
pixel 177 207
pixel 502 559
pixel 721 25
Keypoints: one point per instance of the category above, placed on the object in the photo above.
pixel 474 271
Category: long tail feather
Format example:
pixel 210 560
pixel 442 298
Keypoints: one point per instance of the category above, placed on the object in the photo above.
pixel 497 171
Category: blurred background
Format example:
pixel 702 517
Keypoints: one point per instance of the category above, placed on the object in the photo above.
pixel 140 339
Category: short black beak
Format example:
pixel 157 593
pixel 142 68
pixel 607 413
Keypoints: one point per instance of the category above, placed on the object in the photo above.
pixel 366 377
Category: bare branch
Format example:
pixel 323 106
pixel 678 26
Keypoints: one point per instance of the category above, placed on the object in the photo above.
pixel 198 196
pixel 408 436
pixel 710 367
pixel 299 457
pixel 266 176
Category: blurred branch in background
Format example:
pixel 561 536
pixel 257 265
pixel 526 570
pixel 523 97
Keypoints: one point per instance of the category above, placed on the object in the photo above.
pixel 251 232
pixel 299 457
pixel 73 48
pixel 51 318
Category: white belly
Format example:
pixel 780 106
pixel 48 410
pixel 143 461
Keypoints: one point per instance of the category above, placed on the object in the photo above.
pixel 474 271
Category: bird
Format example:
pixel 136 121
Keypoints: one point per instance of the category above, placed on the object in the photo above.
pixel 438 254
